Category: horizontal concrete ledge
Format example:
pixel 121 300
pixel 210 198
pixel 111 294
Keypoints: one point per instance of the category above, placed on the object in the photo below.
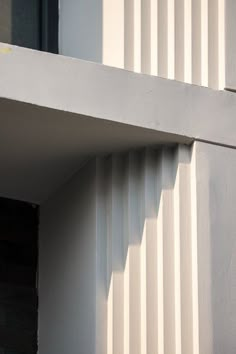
pixel 41 148
pixel 57 112
pixel 94 90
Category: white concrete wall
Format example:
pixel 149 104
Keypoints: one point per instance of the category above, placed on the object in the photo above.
pixel 114 244
pixel 138 255
pixel 175 39
pixel 67 268
pixel 151 266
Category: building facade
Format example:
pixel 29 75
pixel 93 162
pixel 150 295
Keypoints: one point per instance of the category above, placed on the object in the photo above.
pixel 120 155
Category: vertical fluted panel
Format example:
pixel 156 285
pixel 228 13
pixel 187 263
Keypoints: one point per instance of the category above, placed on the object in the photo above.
pixel 216 28
pixel 113 33
pixel 154 36
pixel 213 57
pixel 204 43
pixel 137 35
pixel 194 254
pixel 149 215
pixel 115 256
pixel 101 258
pixel 221 46
pixel 184 265
pixel 129 35
pixel 132 254
pixel 197 19
pixel 179 40
pixel 188 41
pixel 168 252
pixel 163 38
pixel 146 234
pixel 160 262
pixel 174 39
pixel 146 36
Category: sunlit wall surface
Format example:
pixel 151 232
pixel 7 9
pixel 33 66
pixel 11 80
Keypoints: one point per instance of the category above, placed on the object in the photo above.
pixel 175 39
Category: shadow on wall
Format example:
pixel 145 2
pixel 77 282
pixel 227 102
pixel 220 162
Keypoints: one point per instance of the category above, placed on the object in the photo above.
pixel 20 22
pixel 149 264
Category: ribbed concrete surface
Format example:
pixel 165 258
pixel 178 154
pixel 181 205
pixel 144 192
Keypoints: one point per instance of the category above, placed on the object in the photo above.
pixel 146 253
pixel 175 39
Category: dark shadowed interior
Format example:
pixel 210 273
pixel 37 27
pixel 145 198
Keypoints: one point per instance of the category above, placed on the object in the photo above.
pixel 18 277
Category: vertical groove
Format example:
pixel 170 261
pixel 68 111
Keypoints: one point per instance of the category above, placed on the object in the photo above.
pixel 137 35
pixel 143 294
pixel 152 266
pixel 188 41
pixel 204 42
pixel 168 253
pixel 135 239
pixel 109 264
pixel 150 201
pixel 143 266
pixel 126 261
pixel 146 36
pixel 154 35
pixel 213 59
pixel 129 34
pixel 196 42
pixel 101 266
pixel 221 47
pixel 171 39
pixel 177 236
pixel 194 253
pixel 183 40
pixel 185 249
pixel 133 255
pixel 160 284
pixel 179 40
pixel 174 39
pixel 163 38
pixel 116 249
pixel 127 304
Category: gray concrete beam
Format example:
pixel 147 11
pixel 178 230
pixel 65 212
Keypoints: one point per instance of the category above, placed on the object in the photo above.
pixel 116 95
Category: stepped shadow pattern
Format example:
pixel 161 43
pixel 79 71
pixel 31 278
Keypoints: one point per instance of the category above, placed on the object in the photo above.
pixel 146 253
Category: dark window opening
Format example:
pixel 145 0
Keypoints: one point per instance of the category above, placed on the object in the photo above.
pixel 18 270
pixel 30 23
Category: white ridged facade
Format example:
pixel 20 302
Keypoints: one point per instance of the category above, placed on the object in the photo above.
pixel 174 39
pixel 146 253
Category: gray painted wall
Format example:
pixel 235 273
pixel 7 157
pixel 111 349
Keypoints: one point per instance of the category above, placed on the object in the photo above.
pixel 67 268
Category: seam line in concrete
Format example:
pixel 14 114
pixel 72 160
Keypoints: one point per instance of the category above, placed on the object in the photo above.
pixel 215 143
